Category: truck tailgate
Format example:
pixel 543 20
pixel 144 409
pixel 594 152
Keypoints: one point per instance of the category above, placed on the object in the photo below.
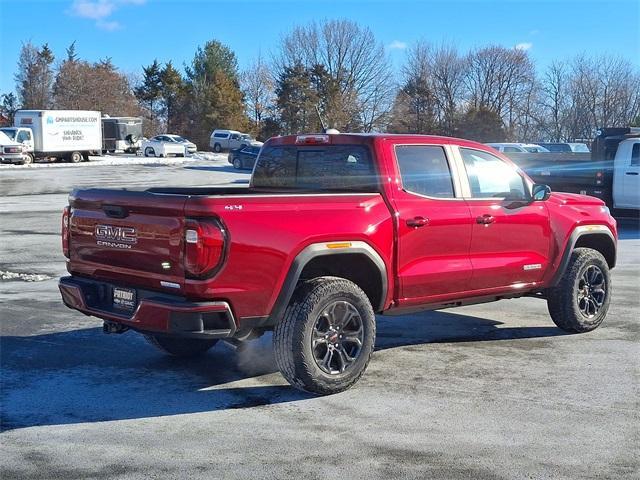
pixel 128 236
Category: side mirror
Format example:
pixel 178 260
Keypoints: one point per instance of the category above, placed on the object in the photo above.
pixel 540 192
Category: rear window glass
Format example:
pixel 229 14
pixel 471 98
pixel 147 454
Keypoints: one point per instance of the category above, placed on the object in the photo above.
pixel 330 167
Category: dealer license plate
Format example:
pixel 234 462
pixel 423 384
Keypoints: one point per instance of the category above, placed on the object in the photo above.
pixel 124 298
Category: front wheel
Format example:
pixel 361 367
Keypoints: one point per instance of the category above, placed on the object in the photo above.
pixel 149 152
pixel 28 159
pixel 580 301
pixel 181 347
pixel 326 338
pixel 237 164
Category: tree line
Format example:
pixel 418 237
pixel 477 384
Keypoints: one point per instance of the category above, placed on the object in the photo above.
pixel 339 68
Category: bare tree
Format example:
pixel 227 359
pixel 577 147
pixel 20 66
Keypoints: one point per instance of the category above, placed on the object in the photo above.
pixel 501 80
pixel 34 77
pixel 433 89
pixel 258 88
pixel 354 61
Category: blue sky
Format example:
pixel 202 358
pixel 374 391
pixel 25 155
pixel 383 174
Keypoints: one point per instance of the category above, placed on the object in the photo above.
pixel 134 32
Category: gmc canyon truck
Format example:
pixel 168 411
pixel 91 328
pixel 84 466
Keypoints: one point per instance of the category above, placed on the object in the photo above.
pixel 333 229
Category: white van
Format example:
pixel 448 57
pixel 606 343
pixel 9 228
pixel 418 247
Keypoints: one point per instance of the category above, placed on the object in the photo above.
pixel 228 140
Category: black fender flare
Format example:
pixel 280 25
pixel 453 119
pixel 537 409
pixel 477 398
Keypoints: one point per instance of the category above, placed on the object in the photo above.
pixel 578 232
pixel 321 249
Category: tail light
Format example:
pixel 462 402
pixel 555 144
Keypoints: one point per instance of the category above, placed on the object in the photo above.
pixel 312 139
pixel 204 247
pixel 65 231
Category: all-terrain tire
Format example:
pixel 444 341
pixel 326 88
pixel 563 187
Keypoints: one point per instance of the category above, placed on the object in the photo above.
pixel 564 300
pixel 292 337
pixel 180 347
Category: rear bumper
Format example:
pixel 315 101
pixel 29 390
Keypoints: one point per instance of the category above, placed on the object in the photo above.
pixel 154 312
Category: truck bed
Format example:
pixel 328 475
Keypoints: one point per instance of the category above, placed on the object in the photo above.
pixel 264 231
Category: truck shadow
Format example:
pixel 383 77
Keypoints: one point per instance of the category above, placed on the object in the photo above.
pixel 84 376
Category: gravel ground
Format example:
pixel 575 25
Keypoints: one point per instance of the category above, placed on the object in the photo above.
pixel 488 391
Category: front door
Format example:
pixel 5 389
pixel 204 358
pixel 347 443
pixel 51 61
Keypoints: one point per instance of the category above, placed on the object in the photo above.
pixel 511 237
pixel 626 176
pixel 434 226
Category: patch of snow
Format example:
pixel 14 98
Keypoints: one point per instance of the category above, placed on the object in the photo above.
pixel 24 277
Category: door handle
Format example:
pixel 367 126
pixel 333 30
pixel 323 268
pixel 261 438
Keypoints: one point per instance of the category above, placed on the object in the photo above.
pixel 485 219
pixel 417 222
pixel 631 173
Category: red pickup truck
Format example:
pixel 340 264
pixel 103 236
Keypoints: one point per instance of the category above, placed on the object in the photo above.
pixel 333 229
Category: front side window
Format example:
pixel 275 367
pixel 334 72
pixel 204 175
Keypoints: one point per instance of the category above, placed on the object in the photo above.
pixel 24 136
pixel 491 177
pixel 425 170
pixel 511 149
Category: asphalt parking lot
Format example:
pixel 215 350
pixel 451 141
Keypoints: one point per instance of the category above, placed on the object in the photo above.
pixel 489 391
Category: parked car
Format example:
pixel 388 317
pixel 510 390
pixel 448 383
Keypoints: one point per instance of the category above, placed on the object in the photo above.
pixel 70 135
pixel 245 157
pixel 332 229
pixel 518 147
pixel 12 151
pixel 566 147
pixel 163 146
pixel 191 147
pixel 228 140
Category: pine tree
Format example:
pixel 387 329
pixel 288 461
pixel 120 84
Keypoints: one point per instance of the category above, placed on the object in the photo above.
pixel 8 106
pixel 173 92
pixel 149 92
pixel 216 100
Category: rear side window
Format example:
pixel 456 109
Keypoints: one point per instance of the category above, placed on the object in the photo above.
pixel 425 170
pixel 220 135
pixel 635 155
pixel 490 177
pixel 331 167
pixel 511 149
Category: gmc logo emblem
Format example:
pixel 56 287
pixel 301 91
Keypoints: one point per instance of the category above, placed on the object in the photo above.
pixel 115 234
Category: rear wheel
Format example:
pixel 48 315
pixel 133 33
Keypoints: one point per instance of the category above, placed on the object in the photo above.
pixel 217 148
pixel 326 338
pixel 181 347
pixel 580 301
pixel 75 157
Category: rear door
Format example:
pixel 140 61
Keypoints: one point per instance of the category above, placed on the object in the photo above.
pixel 510 241
pixel 434 225
pixel 136 237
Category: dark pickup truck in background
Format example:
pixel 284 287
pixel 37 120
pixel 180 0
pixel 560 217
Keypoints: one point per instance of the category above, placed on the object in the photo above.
pixel 611 171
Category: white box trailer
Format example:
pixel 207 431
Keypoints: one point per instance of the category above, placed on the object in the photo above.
pixel 65 134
